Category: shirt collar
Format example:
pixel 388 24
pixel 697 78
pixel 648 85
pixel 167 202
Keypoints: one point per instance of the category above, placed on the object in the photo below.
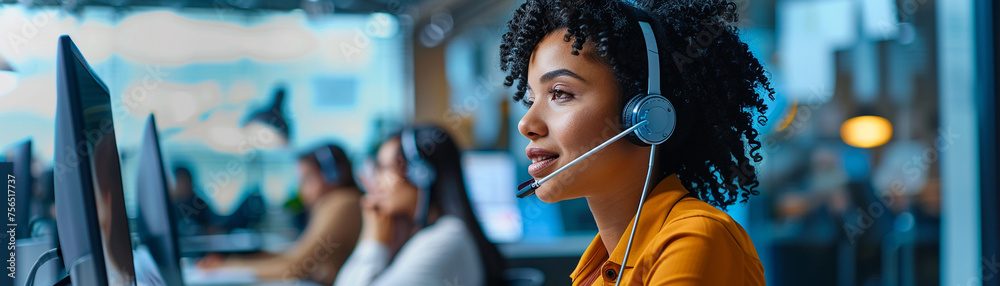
pixel 659 202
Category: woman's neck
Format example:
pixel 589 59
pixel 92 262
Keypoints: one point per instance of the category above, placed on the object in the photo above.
pixel 328 193
pixel 614 210
pixel 433 214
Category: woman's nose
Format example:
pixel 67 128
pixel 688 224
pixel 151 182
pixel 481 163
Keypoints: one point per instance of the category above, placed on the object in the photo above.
pixel 531 125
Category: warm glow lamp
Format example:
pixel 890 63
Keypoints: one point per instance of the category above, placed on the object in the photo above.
pixel 866 131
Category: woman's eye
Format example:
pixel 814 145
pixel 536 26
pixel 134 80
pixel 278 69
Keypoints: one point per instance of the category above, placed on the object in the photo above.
pixel 561 96
pixel 528 101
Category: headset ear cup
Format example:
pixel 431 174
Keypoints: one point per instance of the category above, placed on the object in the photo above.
pixel 330 176
pixel 418 170
pixel 420 174
pixel 660 113
pixel 628 119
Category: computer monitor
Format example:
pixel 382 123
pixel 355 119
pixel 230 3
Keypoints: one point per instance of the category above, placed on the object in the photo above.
pixel 90 205
pixel 156 226
pixel 20 155
pixel 489 176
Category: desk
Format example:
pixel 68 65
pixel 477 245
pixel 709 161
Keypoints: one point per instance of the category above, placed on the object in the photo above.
pixel 567 246
pixel 555 258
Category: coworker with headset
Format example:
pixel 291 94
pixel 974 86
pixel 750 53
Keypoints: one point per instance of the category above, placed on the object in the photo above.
pixel 674 78
pixel 332 198
pixel 419 227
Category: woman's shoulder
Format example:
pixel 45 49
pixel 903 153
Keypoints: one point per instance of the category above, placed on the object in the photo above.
pixel 341 197
pixel 339 202
pixel 696 237
pixel 690 208
pixel 446 232
pixel 691 215
pixel 447 225
pixel 448 237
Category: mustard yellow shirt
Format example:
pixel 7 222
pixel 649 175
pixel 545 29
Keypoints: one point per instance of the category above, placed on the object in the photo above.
pixel 679 240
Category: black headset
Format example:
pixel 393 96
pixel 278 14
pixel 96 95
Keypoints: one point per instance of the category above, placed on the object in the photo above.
pixel 327 165
pixel 651 106
pixel 419 172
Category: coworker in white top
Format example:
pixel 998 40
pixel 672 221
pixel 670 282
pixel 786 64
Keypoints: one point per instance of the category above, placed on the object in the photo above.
pixel 418 224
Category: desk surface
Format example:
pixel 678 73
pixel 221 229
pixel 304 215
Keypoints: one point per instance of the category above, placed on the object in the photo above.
pixel 567 246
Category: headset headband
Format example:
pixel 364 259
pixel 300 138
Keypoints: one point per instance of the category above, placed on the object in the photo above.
pixel 409 142
pixel 652 52
pixel 325 158
pixel 419 172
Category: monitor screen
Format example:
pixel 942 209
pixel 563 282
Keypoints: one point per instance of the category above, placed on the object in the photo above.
pixel 107 187
pixel 490 176
pixel 91 217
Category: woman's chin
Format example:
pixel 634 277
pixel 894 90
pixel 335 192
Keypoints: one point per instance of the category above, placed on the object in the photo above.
pixel 548 194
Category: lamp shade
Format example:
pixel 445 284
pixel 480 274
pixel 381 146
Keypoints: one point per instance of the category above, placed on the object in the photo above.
pixel 8 77
pixel 272 116
pixel 5 65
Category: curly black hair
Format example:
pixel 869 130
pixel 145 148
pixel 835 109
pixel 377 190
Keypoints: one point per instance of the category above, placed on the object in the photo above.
pixel 708 73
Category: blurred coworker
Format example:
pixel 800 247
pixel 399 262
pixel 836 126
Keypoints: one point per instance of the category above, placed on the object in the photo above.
pixel 419 227
pixel 193 214
pixel 196 217
pixel 333 200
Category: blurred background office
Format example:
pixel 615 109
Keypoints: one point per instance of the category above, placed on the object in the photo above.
pixel 880 159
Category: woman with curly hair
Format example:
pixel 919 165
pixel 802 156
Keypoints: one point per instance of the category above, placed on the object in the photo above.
pixel 577 65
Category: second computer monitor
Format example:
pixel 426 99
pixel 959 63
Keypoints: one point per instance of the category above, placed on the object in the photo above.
pixel 20 155
pixel 155 223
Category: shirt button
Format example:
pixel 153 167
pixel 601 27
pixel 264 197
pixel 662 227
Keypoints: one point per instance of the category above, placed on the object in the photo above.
pixel 610 273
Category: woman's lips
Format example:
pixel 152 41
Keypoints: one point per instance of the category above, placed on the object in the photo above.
pixel 541 159
pixel 538 168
